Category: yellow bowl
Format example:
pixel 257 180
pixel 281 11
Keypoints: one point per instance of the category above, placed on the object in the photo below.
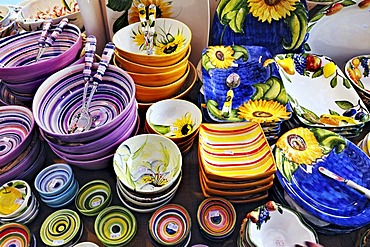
pixel 128 65
pixel 154 94
pixel 171 42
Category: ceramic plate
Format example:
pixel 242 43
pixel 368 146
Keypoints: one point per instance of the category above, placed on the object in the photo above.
pixel 320 94
pixel 300 152
pixel 338 31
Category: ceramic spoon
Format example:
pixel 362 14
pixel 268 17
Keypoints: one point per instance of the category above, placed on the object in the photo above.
pixel 151 16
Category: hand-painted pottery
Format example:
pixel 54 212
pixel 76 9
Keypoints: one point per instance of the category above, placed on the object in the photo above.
pixel 86 244
pixel 279 26
pixel 115 226
pixel 63 198
pixel 27 215
pixel 14 198
pixel 300 152
pixel 61 228
pixel 15 234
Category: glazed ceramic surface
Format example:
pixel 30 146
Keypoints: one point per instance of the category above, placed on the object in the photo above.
pixel 15 234
pixel 14 197
pixel 300 152
pixel 338 31
pixel 320 94
pixel 357 71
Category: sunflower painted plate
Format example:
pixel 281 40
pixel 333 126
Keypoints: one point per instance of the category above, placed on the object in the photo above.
pixel 300 152
pixel 338 31
pixel 319 92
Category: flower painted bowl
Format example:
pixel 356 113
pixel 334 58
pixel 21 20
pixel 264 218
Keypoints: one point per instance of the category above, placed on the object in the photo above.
pixel 93 197
pixel 115 226
pixel 171 43
pixel 59 98
pixel 14 198
pixel 15 233
pixel 148 163
pixel 18 53
pixel 34 13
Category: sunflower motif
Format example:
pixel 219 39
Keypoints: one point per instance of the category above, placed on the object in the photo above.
pixel 268 10
pixel 138 38
pixel 163 9
pixel 183 126
pixel 221 56
pixel 169 43
pixel 300 146
pixel 263 111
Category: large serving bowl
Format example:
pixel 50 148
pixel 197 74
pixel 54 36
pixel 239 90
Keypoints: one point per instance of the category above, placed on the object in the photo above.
pixel 171 43
pixel 18 54
pixel 59 98
pixel 34 13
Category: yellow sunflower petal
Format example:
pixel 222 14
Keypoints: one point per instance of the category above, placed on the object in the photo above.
pixel 266 10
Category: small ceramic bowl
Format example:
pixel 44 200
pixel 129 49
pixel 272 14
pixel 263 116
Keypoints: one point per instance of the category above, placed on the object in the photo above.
pixel 63 198
pixel 15 195
pixel 34 13
pixel 171 43
pixel 15 233
pixel 93 197
pixel 86 244
pixel 163 159
pixel 27 215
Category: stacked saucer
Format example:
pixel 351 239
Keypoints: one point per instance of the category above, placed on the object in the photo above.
pixel 61 228
pixel 56 185
pixel 16 234
pixel 170 225
pixel 115 226
pixel 235 162
pixel 17 203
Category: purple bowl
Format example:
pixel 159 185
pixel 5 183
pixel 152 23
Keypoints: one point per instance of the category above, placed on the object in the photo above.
pixel 18 53
pixel 29 174
pixel 16 132
pixel 59 99
pixel 96 164
pixel 7 97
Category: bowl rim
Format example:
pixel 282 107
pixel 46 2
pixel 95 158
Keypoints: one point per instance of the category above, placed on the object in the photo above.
pixel 357 87
pixel 93 183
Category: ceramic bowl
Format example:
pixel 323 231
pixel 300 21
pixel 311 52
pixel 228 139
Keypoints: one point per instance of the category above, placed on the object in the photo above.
pixel 59 98
pixel 115 226
pixel 18 53
pixel 15 233
pixel 34 13
pixel 27 215
pixel 64 198
pixel 171 44
pixel 146 69
pixel 156 93
pixel 17 130
pixel 4 15
pixel 8 30
pixel 86 244
pixel 15 196
pixel 162 158
pixel 93 197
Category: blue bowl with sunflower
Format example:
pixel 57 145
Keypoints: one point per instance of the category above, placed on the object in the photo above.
pixel 170 43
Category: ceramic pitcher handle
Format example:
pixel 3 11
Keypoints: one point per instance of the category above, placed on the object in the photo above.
pixel 45 29
pixel 58 30
pixel 104 62
pixel 90 48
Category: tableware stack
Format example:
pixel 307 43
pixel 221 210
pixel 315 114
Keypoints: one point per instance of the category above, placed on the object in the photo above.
pixel 148 169
pixel 7 26
pixel 271 224
pixel 243 87
pixel 161 74
pixel 115 226
pixel 61 228
pixel 235 162
pixel 16 234
pixel 320 94
pixel 113 110
pixel 22 151
pixel 334 207
pixel 18 203
pixel 216 218
pixel 57 185
pixel 93 197
pixel 179 120
pixel 170 225
pixel 18 54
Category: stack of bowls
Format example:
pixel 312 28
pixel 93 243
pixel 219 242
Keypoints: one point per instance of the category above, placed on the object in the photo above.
pixel 18 54
pixel 7 26
pixel 148 168
pixel 16 234
pixel 176 119
pixel 170 225
pixel 216 218
pixel 160 75
pixel 22 151
pixel 56 185
pixel 113 110
pixel 61 228
pixel 17 203
pixel 235 162
pixel 93 197
pixel 364 144
pixel 115 226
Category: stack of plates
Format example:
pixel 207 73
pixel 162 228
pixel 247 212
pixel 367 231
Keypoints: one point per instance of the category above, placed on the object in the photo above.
pixel 61 228
pixel 93 197
pixel 170 225
pixel 16 234
pixel 56 185
pixel 148 168
pixel 235 162
pixel 115 226
pixel 216 218
pixel 17 203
